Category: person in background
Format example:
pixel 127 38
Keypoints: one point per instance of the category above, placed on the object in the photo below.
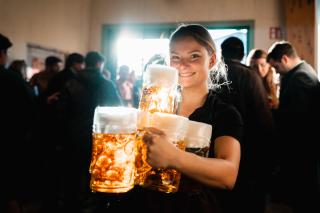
pixel 193 54
pixel 19 67
pixel 247 93
pixel 36 66
pixel 124 85
pixel 74 64
pixel 16 113
pixel 257 60
pixel 40 80
pixel 106 74
pixel 298 181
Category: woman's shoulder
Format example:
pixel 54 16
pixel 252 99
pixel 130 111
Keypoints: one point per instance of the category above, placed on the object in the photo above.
pixel 221 108
pixel 216 100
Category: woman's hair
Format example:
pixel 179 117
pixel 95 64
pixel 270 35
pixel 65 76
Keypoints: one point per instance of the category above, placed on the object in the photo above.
pixel 268 80
pixel 255 54
pixel 218 75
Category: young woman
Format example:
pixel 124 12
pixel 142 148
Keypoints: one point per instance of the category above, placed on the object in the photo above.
pixel 193 53
pixel 257 60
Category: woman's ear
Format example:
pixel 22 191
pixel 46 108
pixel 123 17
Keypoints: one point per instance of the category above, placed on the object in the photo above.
pixel 213 60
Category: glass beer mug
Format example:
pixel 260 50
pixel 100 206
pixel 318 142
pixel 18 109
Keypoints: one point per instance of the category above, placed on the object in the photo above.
pixel 159 94
pixel 166 179
pixel 142 167
pixel 112 163
pixel 198 138
pixel 159 89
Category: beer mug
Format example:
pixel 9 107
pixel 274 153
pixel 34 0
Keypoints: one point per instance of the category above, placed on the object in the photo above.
pixel 142 167
pixel 198 138
pixel 167 179
pixel 112 163
pixel 159 89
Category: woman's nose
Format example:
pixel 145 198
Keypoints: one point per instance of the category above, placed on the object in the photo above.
pixel 183 63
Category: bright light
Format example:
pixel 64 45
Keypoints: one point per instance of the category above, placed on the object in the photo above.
pixel 219 35
pixel 136 52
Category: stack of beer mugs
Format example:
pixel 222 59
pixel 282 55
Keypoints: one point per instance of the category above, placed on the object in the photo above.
pixel 119 156
pixel 175 127
pixel 158 95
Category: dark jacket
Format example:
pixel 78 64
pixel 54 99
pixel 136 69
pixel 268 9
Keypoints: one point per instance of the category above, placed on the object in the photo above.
pixel 297 131
pixel 246 92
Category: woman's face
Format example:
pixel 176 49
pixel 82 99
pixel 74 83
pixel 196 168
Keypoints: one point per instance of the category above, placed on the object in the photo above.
pixel 192 61
pixel 262 66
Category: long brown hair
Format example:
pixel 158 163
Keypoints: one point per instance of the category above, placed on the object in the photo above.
pixel 268 80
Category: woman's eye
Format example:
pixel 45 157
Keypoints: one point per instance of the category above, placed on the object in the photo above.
pixel 194 56
pixel 174 58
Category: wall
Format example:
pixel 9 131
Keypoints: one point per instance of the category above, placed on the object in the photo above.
pixel 59 24
pixel 300 27
pixel 317 62
pixel 265 13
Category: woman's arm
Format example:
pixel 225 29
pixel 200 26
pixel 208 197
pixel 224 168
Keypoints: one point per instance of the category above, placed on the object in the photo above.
pixel 220 172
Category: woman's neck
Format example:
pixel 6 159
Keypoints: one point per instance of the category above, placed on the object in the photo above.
pixel 192 98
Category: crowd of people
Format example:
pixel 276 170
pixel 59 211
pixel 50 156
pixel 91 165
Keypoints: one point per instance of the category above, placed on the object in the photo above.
pixel 264 147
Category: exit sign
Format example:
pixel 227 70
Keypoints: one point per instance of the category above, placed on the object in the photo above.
pixel 275 33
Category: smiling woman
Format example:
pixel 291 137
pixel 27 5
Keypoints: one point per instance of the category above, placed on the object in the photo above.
pixel 193 54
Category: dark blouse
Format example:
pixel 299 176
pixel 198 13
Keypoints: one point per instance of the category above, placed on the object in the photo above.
pixel 224 118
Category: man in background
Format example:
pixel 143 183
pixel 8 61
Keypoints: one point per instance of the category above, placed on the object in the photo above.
pixel 15 118
pixel 246 92
pixel 298 181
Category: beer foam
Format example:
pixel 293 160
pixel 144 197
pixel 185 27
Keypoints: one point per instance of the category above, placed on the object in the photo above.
pixel 172 125
pixel 161 75
pixel 143 119
pixel 198 134
pixel 115 120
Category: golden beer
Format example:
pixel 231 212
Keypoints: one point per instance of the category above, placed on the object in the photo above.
pixel 112 164
pixel 165 179
pixel 159 89
pixel 157 99
pixel 142 167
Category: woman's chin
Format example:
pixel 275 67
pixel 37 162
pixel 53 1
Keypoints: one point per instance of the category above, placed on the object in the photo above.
pixel 186 84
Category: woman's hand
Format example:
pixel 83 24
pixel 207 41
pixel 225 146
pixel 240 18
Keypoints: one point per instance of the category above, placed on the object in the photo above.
pixel 161 151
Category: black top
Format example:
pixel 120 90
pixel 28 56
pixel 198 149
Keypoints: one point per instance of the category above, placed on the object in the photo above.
pixel 16 116
pixel 298 112
pixel 247 93
pixel 224 118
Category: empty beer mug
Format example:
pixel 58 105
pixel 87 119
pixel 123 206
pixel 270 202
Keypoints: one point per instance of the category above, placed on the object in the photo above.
pixel 112 163
pixel 159 89
pixel 198 138
pixel 166 179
